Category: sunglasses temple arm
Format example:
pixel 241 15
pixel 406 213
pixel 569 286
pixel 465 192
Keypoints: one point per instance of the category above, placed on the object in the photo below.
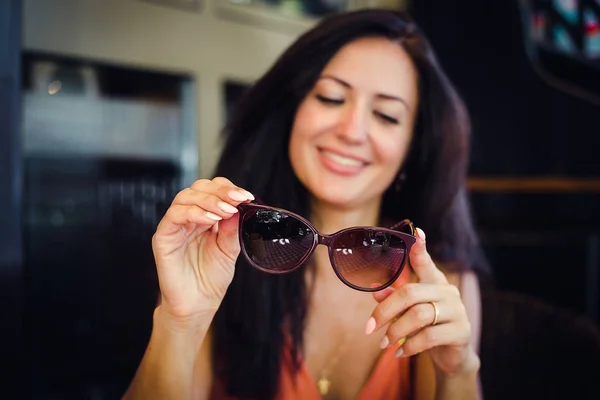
pixel 258 200
pixel 402 224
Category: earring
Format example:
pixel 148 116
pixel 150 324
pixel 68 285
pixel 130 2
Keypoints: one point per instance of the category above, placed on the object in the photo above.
pixel 399 181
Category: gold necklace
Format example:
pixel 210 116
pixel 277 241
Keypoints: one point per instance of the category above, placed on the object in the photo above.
pixel 323 384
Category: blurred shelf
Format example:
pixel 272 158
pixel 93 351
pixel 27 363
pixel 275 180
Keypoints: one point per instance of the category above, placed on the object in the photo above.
pixel 541 184
pixel 274 17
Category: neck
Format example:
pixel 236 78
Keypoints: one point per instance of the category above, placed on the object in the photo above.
pixel 330 218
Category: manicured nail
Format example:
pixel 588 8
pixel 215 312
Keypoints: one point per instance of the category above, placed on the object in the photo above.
pixel 212 216
pixel 237 195
pixel 384 342
pixel 421 234
pixel 249 195
pixel 228 208
pixel 399 352
pixel 370 327
pixel 401 341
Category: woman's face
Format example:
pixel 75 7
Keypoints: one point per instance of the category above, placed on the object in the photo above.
pixel 352 131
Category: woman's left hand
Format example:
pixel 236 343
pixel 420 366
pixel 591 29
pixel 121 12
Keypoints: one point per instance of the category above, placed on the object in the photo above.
pixel 409 312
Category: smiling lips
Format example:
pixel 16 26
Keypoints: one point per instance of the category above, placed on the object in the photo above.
pixel 341 164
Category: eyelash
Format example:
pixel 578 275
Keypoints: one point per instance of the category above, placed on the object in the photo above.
pixel 386 118
pixel 327 100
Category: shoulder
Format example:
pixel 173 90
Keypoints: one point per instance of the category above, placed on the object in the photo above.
pixel 467 283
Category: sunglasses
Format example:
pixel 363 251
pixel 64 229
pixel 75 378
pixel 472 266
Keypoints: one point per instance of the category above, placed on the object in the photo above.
pixel 365 258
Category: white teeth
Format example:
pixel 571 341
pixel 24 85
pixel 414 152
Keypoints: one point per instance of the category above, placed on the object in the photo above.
pixel 343 160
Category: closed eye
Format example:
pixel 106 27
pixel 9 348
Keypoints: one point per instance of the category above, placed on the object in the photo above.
pixel 387 118
pixel 328 100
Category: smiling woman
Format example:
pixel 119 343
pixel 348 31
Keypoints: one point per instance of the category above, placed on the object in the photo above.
pixel 326 136
pixel 352 131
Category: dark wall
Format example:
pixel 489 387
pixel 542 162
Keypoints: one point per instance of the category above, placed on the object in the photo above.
pixel 10 238
pixel 522 125
pixel 543 243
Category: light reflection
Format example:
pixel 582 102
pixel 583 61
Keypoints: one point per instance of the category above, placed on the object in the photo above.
pixel 54 87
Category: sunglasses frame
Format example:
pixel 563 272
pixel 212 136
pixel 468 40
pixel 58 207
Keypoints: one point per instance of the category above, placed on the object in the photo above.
pixel 318 239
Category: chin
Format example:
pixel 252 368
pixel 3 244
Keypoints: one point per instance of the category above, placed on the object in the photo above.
pixel 340 194
pixel 341 191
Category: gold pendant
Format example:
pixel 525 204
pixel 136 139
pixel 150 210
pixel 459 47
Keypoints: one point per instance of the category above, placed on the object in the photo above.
pixel 323 385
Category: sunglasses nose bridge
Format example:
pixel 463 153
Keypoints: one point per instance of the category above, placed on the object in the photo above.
pixel 324 239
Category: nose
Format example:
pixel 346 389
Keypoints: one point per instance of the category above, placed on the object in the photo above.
pixel 354 125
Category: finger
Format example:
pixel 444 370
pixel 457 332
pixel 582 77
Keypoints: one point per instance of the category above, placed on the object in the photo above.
pixel 418 317
pixel 231 195
pixel 179 215
pixel 382 294
pixel 227 238
pixel 433 336
pixel 421 262
pixel 218 202
pixel 405 297
pixel 220 180
pixel 226 182
pixel 223 185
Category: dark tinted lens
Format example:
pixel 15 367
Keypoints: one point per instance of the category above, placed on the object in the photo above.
pixel 368 258
pixel 275 240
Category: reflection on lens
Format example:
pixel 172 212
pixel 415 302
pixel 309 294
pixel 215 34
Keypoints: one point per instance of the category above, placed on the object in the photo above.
pixel 275 240
pixel 364 256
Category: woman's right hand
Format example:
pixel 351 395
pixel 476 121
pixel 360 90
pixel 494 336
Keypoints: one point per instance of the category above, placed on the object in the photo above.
pixel 196 246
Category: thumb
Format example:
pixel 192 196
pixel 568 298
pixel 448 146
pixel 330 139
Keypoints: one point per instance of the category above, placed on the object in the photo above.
pixel 422 264
pixel 227 236
pixel 383 294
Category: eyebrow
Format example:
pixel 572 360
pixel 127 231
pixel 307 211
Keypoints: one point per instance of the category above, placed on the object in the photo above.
pixel 380 95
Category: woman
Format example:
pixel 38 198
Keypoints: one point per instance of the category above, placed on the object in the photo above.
pixel 355 125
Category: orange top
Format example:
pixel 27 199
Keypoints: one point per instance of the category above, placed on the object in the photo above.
pixel 390 379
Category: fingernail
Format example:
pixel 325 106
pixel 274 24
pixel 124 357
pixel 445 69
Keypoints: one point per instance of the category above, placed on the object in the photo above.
pixel 399 352
pixel 370 327
pixel 212 216
pixel 421 234
pixel 384 342
pixel 249 195
pixel 237 196
pixel 401 341
pixel 228 208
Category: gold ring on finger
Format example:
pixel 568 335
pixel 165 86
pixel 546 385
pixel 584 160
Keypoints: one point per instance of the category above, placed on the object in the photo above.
pixel 436 313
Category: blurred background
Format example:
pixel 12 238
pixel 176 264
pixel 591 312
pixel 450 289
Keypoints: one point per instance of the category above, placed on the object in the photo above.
pixel 108 108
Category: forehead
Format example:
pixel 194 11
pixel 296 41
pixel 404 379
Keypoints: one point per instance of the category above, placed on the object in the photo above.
pixel 375 65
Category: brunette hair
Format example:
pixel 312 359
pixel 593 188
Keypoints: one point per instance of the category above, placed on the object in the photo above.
pixel 263 314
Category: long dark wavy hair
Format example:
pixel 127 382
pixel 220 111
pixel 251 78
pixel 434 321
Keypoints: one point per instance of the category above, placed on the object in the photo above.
pixel 260 311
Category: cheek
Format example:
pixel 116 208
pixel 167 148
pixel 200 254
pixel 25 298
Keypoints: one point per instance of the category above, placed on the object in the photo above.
pixel 308 121
pixel 393 152
pixel 302 131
